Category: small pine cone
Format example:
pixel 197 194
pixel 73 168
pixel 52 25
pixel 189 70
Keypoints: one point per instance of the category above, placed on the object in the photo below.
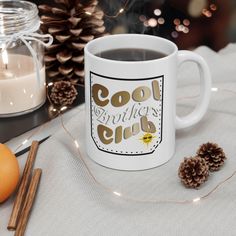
pixel 193 171
pixel 63 93
pixel 213 154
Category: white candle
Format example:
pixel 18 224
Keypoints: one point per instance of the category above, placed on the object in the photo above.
pixel 20 90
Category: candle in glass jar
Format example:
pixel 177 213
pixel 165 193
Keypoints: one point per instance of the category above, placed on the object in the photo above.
pixel 20 90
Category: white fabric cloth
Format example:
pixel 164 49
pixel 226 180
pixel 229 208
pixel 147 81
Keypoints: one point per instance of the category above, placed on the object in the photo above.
pixel 70 203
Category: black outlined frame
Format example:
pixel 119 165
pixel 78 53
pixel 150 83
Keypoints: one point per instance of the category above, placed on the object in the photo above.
pixel 125 79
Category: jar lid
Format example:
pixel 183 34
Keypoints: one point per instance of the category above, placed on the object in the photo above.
pixel 17 16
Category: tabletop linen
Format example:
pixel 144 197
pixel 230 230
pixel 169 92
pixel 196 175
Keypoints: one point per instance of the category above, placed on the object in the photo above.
pixel 69 203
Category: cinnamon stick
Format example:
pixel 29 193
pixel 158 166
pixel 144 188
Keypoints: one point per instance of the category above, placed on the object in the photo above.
pixel 18 204
pixel 29 201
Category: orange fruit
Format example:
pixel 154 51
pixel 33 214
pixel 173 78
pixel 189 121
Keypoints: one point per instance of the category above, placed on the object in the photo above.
pixel 9 172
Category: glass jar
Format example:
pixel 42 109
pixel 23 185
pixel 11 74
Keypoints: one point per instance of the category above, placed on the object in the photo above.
pixel 22 69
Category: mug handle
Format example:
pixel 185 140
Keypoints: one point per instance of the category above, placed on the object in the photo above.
pixel 205 89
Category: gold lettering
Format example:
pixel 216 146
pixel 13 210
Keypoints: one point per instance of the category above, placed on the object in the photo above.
pixel 127 133
pixel 119 99
pixel 135 128
pixel 96 89
pixel 156 90
pixel 141 94
pixel 147 126
pixel 105 134
pixel 118 136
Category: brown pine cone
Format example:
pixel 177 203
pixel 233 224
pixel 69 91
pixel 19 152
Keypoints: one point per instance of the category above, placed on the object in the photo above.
pixel 193 171
pixel 63 93
pixel 213 154
pixel 72 23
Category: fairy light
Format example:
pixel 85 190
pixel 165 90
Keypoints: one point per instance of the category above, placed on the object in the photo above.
pixel 214 89
pixel 63 108
pixel 76 144
pixel 25 141
pixel 88 13
pixel 196 199
pixel 117 193
pixel 50 84
pixel 119 12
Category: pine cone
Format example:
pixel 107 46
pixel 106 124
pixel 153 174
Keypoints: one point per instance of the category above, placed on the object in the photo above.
pixel 72 23
pixel 193 171
pixel 213 154
pixel 63 93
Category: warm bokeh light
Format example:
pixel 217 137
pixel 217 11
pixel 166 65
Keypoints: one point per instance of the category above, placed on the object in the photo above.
pixel 157 12
pixel 161 20
pixel 152 22
pixel 176 21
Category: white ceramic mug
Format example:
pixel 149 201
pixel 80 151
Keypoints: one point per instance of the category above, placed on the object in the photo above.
pixel 131 105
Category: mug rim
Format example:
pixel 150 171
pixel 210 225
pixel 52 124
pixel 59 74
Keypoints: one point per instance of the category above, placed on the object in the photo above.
pixel 97 40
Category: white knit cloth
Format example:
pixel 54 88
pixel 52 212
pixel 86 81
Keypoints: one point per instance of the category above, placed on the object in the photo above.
pixel 68 203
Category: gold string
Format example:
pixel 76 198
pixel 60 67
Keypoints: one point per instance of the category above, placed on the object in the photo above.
pixel 126 197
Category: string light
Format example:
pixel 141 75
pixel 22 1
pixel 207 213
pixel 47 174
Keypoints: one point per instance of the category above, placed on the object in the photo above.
pixel 121 10
pixel 117 193
pixel 108 189
pixel 196 199
pixel 63 108
pixel 76 144
pixel 214 89
pixel 126 197
pixel 25 141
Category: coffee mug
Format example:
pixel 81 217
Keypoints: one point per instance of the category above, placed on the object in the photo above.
pixel 131 105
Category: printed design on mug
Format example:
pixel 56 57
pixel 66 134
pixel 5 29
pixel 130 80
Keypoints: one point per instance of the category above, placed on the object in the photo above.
pixel 126 114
